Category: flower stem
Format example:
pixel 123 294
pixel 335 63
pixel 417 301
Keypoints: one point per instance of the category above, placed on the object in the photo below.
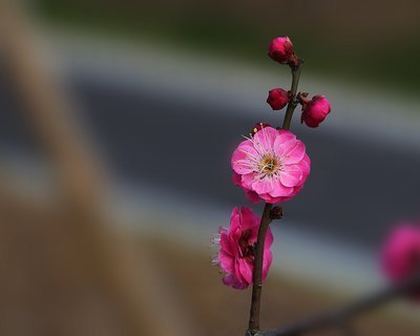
pixel 296 70
pixel 254 314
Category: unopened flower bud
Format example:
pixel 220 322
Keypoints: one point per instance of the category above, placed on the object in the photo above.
pixel 278 98
pixel 315 111
pixel 276 212
pixel 281 49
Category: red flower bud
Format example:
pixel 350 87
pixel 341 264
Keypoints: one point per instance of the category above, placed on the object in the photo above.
pixel 315 111
pixel 278 98
pixel 281 50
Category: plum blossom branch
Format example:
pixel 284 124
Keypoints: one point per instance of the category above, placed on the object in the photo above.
pixel 339 317
pixel 296 70
pixel 269 214
pixel 270 165
pixel 254 314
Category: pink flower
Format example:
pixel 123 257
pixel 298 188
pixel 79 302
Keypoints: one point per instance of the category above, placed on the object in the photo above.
pixel 236 249
pixel 272 164
pixel 277 98
pixel 281 49
pixel 315 111
pixel 401 253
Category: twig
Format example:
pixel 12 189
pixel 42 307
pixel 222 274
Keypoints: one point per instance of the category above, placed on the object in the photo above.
pixel 343 315
pixel 293 95
pixel 254 314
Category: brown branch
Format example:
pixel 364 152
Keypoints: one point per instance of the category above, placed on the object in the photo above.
pixel 341 316
pixel 296 70
pixel 254 314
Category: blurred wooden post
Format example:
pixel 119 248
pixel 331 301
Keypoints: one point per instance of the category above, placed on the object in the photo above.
pixel 131 282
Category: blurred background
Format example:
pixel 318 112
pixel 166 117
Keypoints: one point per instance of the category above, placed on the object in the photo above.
pixel 117 122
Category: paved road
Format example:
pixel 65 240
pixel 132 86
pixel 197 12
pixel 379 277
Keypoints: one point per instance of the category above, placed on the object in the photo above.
pixel 356 190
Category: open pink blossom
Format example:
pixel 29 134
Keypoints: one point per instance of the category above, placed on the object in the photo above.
pixel 315 111
pixel 236 248
pixel 272 164
pixel 401 253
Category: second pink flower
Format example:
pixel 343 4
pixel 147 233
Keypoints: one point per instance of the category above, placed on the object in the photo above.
pixel 273 165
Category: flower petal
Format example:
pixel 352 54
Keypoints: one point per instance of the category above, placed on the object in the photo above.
pixel 235 220
pixel 270 199
pixel 291 176
pixel 268 258
pixel 280 190
pixel 225 262
pixel 281 147
pixel 252 196
pixel 232 281
pixel 264 139
pixel 248 180
pixel 245 270
pixel 268 239
pixel 286 135
pixel 226 244
pixel 243 158
pixel 248 219
pixel 263 185
pixel 294 154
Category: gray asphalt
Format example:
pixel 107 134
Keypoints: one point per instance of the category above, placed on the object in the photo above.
pixel 356 191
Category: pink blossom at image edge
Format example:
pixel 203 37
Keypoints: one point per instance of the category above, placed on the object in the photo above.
pixel 401 252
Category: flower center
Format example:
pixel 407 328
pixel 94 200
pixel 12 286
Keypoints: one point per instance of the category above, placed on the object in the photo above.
pixel 246 250
pixel 269 164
